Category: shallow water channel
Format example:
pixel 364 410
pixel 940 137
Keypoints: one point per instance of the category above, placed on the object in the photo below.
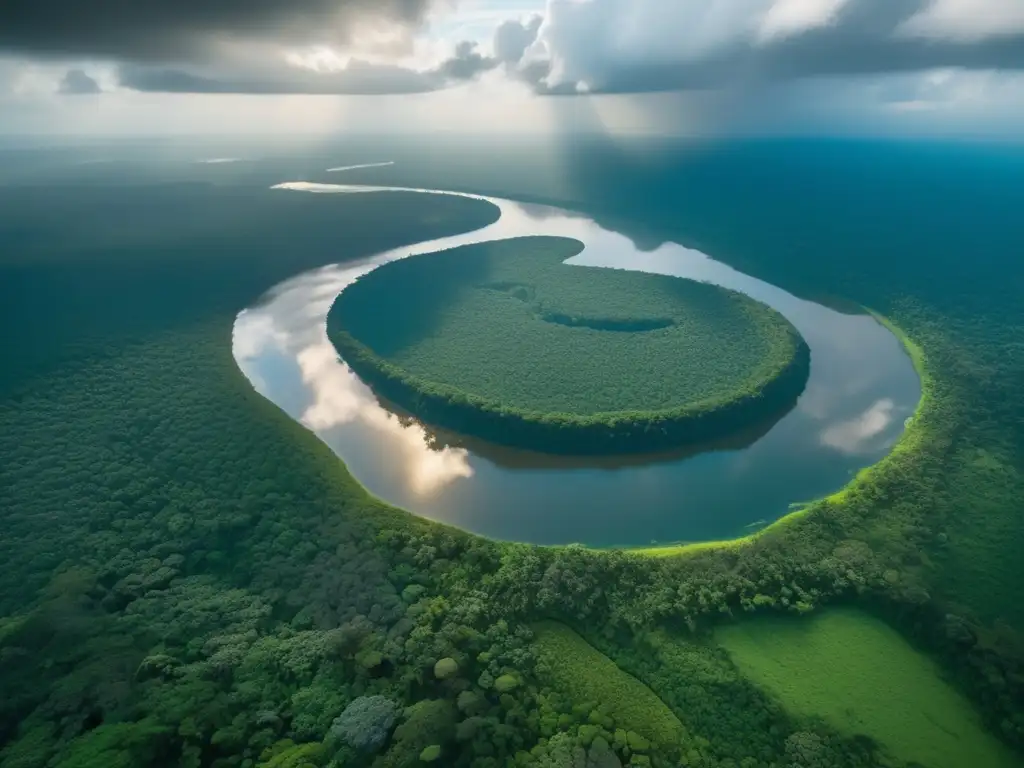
pixel 861 390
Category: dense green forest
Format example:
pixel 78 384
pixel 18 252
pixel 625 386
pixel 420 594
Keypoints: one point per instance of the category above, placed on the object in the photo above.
pixel 879 223
pixel 502 341
pixel 192 579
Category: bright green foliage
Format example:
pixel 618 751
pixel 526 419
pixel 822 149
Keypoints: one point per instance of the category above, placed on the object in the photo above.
pixel 430 754
pixel 863 678
pixel 572 666
pixel 564 751
pixel 504 341
pixel 288 754
pixel 636 742
pixel 506 683
pixel 446 668
pixel 561 751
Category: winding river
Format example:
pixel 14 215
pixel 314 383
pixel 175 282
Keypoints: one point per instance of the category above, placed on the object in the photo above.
pixel 861 390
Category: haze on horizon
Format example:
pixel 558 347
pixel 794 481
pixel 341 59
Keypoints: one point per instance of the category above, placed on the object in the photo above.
pixel 693 67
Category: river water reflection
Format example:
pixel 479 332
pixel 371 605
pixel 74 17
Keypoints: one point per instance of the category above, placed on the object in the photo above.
pixel 862 388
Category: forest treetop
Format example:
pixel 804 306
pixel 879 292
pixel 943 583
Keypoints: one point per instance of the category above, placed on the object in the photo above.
pixel 504 340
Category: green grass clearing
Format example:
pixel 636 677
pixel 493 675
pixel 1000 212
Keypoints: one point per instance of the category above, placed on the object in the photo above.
pixel 862 677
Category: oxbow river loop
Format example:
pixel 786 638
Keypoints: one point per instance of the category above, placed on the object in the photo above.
pixel 862 388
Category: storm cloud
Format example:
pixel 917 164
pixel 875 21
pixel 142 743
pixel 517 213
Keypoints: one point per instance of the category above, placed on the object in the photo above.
pixel 76 82
pixel 168 30
pixel 241 46
pixel 357 77
pixel 575 46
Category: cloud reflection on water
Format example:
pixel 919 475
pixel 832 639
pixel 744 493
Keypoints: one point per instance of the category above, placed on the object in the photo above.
pixel 339 398
pixel 860 434
pixel 290 324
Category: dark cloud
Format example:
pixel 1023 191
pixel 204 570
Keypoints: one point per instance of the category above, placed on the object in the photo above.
pixel 156 79
pixel 534 73
pixel 814 55
pixel 466 64
pixel 75 82
pixel 179 46
pixel 165 30
pixel 183 46
pixel 357 78
pixel 865 39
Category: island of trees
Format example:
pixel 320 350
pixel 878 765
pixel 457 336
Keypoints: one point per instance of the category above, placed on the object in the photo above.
pixel 503 341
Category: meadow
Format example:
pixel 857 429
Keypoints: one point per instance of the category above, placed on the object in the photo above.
pixel 859 675
pixel 503 341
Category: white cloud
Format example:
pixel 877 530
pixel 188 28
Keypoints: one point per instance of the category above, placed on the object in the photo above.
pixel 317 59
pixel 791 17
pixel 967 20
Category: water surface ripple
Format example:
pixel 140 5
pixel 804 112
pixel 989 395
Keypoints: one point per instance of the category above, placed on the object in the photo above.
pixel 862 388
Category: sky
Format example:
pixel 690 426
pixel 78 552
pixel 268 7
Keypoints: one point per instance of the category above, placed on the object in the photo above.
pixel 660 67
